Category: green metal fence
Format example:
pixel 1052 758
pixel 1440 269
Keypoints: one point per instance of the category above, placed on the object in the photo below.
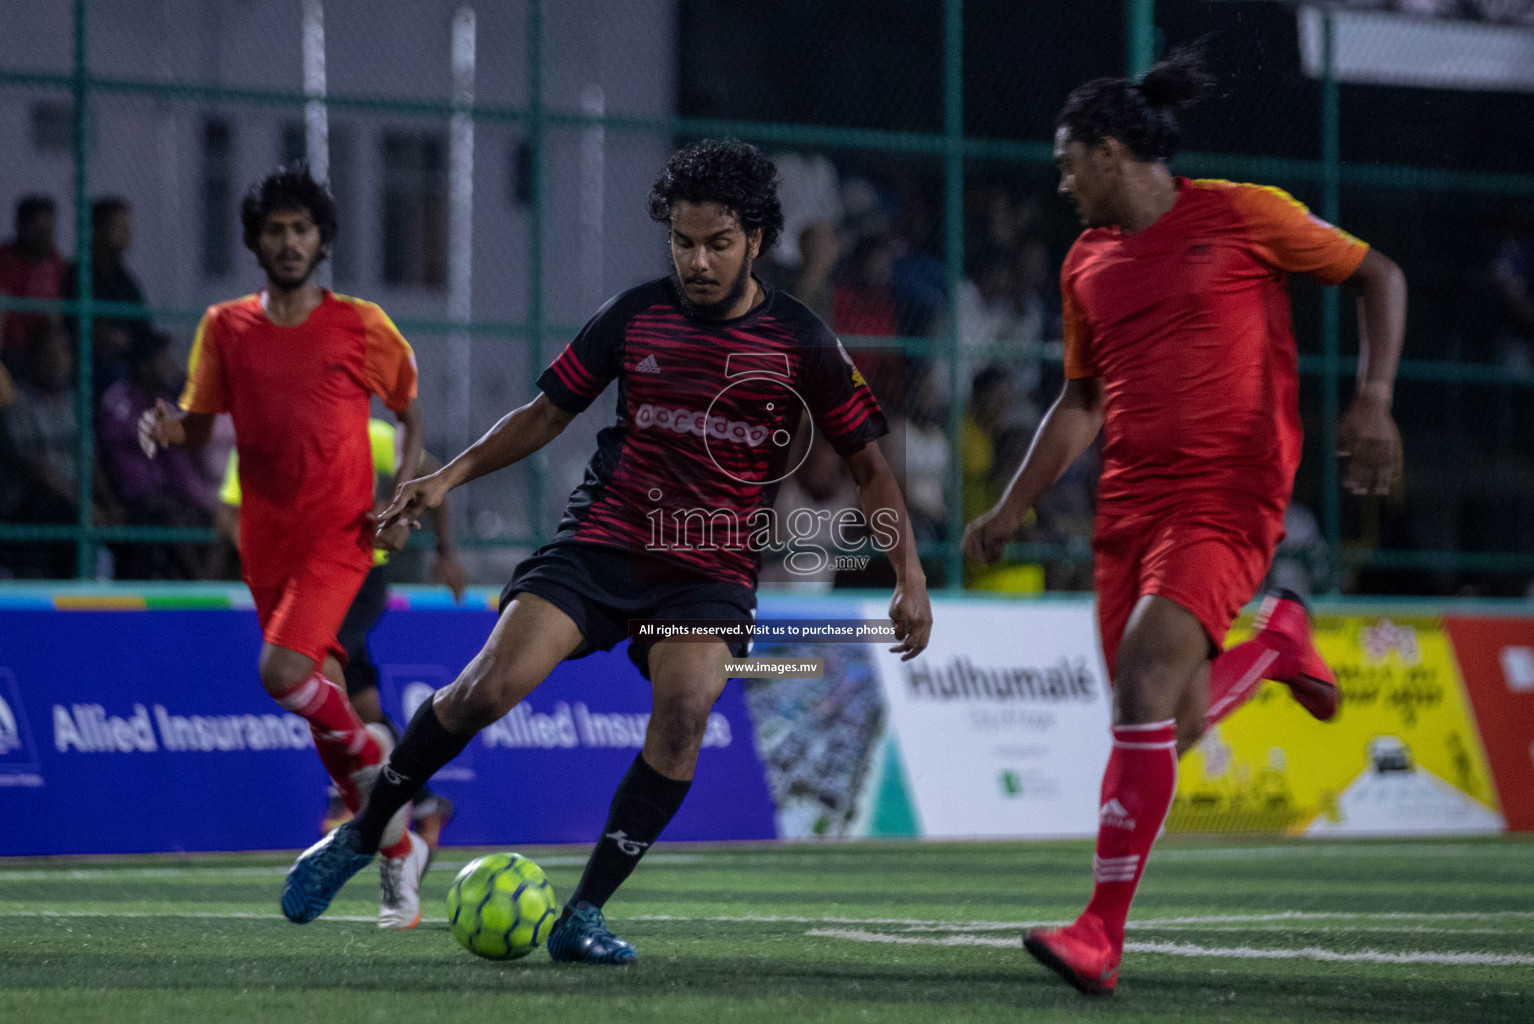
pixel 951 150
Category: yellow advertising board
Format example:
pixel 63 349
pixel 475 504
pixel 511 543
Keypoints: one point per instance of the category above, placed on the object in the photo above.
pixel 1402 756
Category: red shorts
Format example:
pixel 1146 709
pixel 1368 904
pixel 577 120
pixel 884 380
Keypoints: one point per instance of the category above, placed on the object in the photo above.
pixel 304 611
pixel 1209 561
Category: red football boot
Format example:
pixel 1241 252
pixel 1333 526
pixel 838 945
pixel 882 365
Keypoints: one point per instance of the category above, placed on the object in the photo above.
pixel 1283 622
pixel 1080 953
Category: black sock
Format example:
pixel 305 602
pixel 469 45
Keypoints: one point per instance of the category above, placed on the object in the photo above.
pixel 425 796
pixel 425 747
pixel 645 803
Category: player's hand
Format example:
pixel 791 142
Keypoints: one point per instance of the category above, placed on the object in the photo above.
pixel 986 538
pixel 159 427
pixel 450 574
pixel 391 537
pixel 911 613
pixel 1367 437
pixel 413 498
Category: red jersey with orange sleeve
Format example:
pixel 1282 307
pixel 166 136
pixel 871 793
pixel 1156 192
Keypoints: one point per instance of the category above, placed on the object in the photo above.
pixel 299 400
pixel 1186 325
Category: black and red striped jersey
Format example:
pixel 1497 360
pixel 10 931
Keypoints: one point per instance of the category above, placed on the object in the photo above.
pixel 708 415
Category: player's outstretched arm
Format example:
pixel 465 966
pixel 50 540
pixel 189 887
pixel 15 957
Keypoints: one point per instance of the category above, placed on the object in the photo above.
pixel 1067 430
pixel 1367 436
pixel 884 505
pixel 165 425
pixel 519 434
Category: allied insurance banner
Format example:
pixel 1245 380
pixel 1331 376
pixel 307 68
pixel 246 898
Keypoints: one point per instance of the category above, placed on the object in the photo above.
pixel 147 731
pixel 134 723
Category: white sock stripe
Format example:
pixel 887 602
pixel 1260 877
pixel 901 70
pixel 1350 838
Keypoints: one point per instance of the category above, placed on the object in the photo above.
pixel 1170 723
pixel 1131 859
pixel 1168 745
pixel 299 697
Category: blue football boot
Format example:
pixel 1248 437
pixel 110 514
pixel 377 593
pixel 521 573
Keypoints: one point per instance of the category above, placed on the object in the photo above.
pixel 581 937
pixel 319 872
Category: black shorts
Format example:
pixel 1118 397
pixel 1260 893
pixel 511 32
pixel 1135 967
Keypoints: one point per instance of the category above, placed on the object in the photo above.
pixel 367 608
pixel 602 588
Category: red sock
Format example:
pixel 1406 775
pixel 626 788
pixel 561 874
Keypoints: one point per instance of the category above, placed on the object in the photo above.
pixel 1235 675
pixel 1137 793
pixel 400 848
pixel 339 735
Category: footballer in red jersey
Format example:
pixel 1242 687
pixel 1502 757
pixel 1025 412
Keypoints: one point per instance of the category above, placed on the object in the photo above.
pixel 296 367
pixel 1179 349
pixel 715 371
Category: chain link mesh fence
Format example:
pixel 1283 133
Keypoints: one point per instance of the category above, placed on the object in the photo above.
pixel 914 141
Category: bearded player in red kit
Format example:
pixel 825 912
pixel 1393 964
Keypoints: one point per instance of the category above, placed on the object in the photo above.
pixel 1178 346
pixel 296 366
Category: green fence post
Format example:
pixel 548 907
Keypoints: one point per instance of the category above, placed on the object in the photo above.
pixel 1139 36
pixel 535 126
pixel 85 451
pixel 1331 200
pixel 953 242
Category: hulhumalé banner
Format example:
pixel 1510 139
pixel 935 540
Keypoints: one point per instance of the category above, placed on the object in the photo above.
pixel 1004 721
pixel 1403 756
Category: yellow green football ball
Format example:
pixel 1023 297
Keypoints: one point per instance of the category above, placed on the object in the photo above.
pixel 501 906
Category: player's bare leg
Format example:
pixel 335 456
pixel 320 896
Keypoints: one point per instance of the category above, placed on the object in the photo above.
pixel 687 679
pixel 531 637
pixel 1163 656
pixel 1191 712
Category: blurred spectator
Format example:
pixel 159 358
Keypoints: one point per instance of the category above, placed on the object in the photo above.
pixel 1512 275
pixel 820 248
pixel 1301 563
pixel 920 278
pixel 168 490
pixel 1001 321
pixel 111 281
pixel 810 193
pixel 30 268
pixel 806 504
pixel 863 303
pixel 922 456
pixel 44 433
pixel 990 402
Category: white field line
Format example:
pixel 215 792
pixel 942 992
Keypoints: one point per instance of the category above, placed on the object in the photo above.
pixel 1304 849
pixel 920 924
pixel 1314 953
pixel 1370 956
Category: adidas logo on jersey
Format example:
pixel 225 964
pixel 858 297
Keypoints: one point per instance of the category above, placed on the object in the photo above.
pixel 1114 815
pixel 648 365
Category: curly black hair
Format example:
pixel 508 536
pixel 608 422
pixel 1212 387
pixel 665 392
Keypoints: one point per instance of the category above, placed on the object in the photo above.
pixel 288 188
pixel 1141 114
pixel 731 173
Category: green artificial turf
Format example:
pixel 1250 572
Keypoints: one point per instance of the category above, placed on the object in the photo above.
pixel 1259 931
